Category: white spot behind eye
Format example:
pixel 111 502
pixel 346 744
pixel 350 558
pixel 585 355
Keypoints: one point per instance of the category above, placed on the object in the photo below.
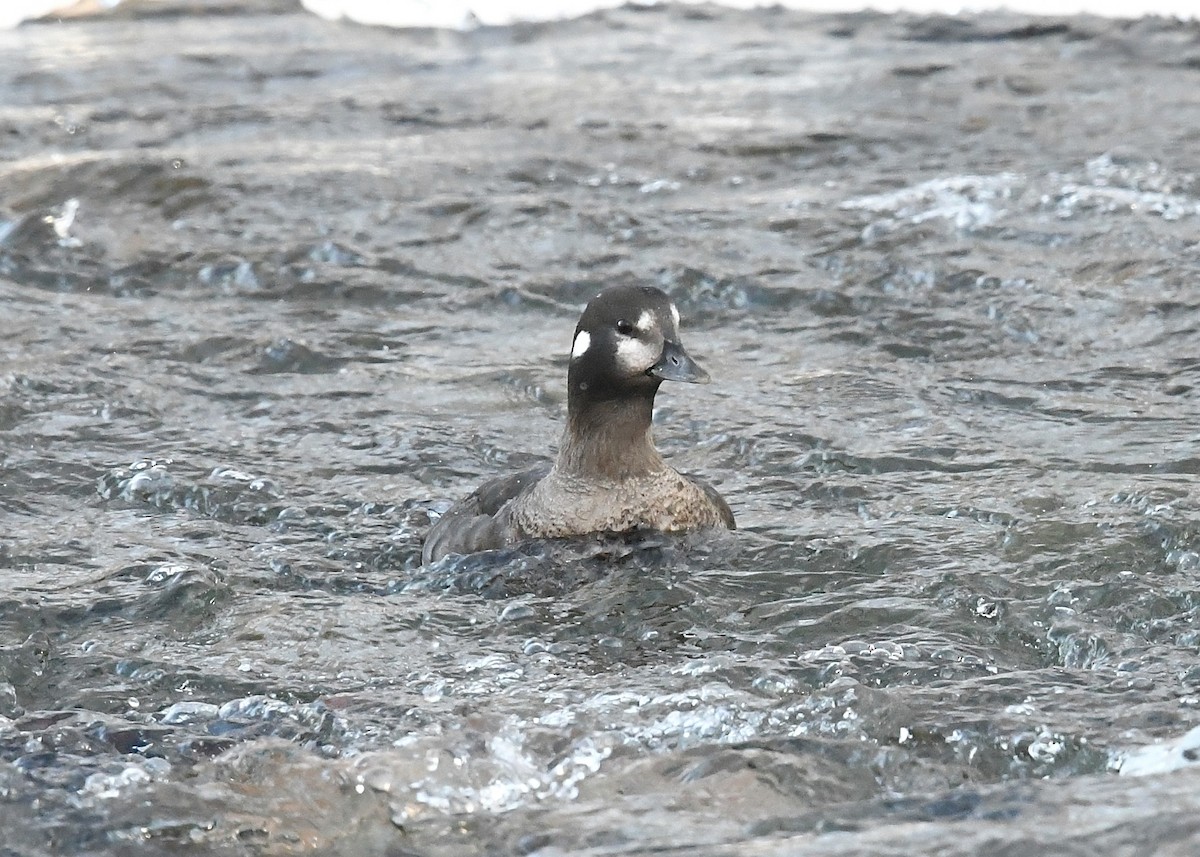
pixel 675 314
pixel 582 340
pixel 645 321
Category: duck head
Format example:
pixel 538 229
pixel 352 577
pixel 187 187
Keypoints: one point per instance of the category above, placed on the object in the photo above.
pixel 626 344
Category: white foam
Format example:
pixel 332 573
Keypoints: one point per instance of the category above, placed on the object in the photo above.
pixel 1170 755
pixel 968 201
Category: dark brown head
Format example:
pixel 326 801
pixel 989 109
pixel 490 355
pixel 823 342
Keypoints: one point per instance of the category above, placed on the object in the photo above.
pixel 626 344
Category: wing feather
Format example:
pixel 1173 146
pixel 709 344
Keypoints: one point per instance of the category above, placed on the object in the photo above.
pixel 471 525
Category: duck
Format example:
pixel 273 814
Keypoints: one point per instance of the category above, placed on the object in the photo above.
pixel 608 476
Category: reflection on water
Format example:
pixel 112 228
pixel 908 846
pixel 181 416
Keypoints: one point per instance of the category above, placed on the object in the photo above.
pixel 319 280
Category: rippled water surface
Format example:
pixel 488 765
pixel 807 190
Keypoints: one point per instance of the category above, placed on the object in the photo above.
pixel 275 291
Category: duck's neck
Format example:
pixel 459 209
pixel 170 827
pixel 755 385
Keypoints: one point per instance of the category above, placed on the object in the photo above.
pixel 609 439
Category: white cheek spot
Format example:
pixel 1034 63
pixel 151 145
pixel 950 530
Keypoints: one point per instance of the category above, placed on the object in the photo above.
pixel 675 315
pixel 634 356
pixel 645 321
pixel 582 340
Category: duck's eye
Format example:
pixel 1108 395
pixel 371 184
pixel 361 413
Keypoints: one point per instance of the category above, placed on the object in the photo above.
pixel 624 328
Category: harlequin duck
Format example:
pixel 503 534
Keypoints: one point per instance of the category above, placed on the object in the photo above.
pixel 608 476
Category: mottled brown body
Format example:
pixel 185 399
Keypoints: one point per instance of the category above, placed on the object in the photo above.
pixel 608 476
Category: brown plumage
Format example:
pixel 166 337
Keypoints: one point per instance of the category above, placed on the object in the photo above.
pixel 608 476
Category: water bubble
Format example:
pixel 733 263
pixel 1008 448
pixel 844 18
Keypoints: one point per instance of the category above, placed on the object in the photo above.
pixel 659 186
pixel 62 223
pixel 188 712
pixel 1046 747
pixel 517 612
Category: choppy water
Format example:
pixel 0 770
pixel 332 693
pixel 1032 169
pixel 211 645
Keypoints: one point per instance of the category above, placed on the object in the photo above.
pixel 319 280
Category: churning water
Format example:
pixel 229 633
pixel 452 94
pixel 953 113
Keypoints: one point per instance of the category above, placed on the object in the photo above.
pixel 275 291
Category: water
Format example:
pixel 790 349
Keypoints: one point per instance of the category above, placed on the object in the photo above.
pixel 276 290
pixel 468 13
pixel 464 14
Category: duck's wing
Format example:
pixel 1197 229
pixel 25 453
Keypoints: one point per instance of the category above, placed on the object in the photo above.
pixel 471 524
pixel 717 500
